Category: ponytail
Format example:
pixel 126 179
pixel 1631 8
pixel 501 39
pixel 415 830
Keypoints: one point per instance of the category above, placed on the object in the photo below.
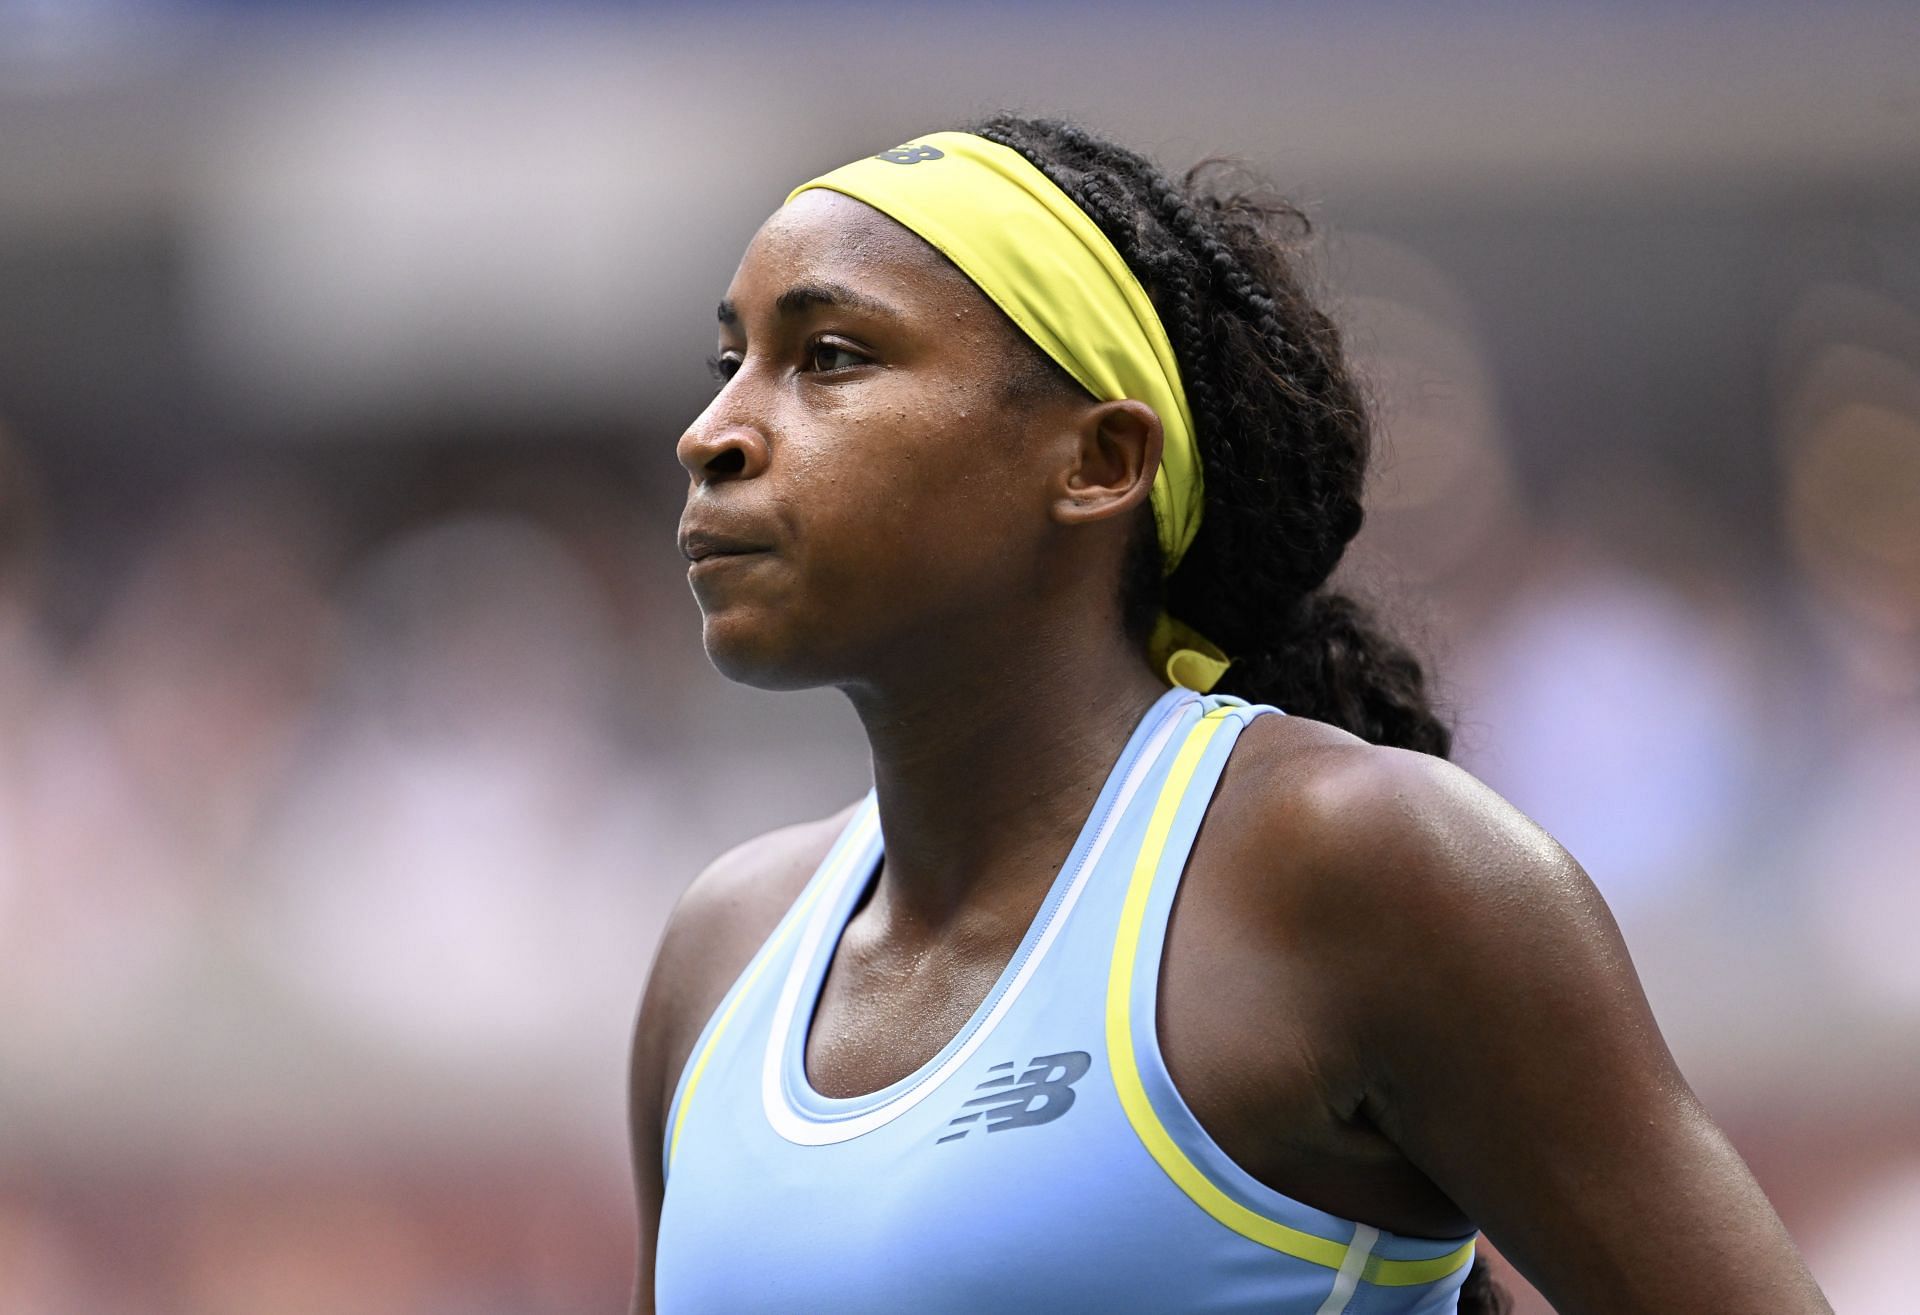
pixel 1331 661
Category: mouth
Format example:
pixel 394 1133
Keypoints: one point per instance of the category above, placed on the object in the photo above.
pixel 698 543
pixel 703 560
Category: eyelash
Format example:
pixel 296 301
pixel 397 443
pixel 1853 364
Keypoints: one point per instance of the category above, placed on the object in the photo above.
pixel 723 367
pixel 815 348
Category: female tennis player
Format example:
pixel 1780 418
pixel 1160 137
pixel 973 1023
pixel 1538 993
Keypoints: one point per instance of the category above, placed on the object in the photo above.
pixel 1168 966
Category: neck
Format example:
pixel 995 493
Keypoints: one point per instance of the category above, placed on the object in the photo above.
pixel 984 777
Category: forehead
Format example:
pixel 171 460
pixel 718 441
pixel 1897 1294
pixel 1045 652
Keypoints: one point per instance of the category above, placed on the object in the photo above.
pixel 827 236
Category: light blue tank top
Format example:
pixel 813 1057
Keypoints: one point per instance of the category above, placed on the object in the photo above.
pixel 1043 1160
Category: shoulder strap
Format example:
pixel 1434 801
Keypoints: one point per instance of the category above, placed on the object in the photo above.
pixel 854 837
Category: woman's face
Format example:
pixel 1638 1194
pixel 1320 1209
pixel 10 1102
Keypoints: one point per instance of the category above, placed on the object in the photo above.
pixel 864 491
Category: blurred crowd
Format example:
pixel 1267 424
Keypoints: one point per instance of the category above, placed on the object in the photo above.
pixel 332 855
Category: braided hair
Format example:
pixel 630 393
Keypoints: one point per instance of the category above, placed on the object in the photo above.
pixel 1284 441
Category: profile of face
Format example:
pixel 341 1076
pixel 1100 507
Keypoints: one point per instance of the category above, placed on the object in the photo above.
pixel 866 489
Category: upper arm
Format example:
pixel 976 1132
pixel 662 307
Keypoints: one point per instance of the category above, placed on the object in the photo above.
pixel 1508 1050
pixel 663 1007
pixel 645 1112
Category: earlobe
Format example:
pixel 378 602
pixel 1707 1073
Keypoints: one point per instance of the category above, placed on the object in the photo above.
pixel 1115 459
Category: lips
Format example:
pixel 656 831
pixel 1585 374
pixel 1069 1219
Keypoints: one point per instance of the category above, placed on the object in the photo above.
pixel 698 545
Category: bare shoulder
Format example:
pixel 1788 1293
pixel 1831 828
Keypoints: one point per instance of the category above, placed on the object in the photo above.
pixel 1370 836
pixel 725 914
pixel 1419 900
pixel 1485 1000
pixel 721 920
pixel 723 917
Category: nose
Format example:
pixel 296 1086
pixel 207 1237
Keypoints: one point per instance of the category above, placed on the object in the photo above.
pixel 716 448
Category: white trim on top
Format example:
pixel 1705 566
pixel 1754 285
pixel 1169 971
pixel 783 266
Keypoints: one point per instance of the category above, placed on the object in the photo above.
pixel 1365 1238
pixel 796 1126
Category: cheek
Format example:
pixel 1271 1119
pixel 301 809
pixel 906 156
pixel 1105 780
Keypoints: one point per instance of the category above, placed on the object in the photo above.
pixel 906 522
pixel 921 499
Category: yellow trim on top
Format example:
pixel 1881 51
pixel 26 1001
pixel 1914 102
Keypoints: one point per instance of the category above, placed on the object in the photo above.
pixel 706 1052
pixel 1133 1093
pixel 1409 1273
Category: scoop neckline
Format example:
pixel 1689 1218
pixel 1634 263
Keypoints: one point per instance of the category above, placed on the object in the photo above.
pixel 801 1094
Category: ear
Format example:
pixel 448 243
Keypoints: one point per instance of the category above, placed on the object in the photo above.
pixel 1115 459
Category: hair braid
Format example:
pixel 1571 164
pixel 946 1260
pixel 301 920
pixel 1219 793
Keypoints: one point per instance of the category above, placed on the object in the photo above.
pixel 1284 439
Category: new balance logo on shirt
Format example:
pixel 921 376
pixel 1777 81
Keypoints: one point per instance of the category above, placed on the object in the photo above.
pixel 1040 1094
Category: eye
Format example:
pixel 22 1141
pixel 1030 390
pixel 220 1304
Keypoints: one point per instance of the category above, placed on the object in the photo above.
pixel 825 357
pixel 724 366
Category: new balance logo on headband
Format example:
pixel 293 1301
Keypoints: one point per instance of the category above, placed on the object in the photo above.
pixel 1039 1095
pixel 911 154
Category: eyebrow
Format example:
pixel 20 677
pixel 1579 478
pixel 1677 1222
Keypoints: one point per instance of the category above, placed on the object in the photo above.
pixel 802 297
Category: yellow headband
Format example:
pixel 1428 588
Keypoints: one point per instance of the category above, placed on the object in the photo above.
pixel 1040 259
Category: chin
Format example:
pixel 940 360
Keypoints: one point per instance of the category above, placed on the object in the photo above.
pixel 750 655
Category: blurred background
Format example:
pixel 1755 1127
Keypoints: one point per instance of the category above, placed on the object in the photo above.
pixel 355 735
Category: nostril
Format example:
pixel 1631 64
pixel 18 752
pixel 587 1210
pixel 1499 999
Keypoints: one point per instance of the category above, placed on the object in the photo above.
pixel 730 462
